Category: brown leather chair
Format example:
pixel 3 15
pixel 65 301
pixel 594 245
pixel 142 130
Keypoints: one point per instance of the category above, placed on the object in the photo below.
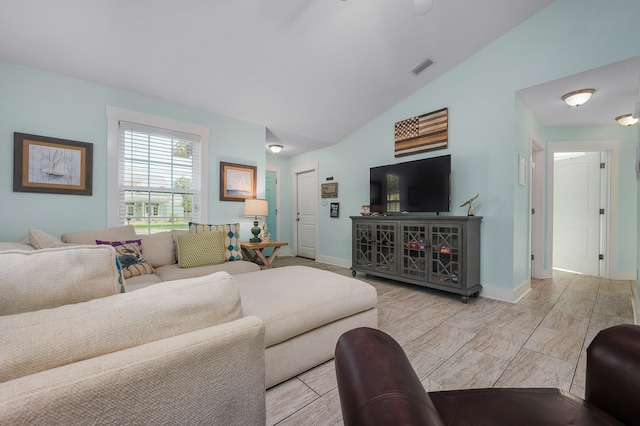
pixel 378 386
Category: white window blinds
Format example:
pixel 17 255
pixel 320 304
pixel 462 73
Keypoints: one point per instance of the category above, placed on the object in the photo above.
pixel 158 178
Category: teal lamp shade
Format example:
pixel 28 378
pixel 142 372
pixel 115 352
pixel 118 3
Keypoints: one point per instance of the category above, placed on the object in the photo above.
pixel 254 207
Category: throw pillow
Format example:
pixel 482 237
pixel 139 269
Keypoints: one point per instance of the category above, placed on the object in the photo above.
pixel 204 248
pixel 131 260
pixel 120 243
pixel 231 237
pixel 40 240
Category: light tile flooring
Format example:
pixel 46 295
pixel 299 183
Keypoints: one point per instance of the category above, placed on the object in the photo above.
pixel 538 342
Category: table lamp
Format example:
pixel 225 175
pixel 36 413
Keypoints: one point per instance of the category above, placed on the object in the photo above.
pixel 256 207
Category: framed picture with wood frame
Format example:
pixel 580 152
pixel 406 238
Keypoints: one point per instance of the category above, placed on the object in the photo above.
pixel 51 165
pixel 237 182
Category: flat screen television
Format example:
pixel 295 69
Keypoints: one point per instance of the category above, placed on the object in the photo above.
pixel 421 186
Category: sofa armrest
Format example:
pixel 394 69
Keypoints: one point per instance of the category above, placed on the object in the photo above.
pixel 613 372
pixel 210 376
pixel 377 384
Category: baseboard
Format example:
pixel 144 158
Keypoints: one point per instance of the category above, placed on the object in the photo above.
pixel 506 295
pixel 285 251
pixel 623 275
pixel 336 261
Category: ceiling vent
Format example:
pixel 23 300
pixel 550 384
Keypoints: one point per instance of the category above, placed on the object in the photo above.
pixel 423 66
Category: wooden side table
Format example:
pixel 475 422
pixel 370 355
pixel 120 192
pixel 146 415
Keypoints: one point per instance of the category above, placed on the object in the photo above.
pixel 253 251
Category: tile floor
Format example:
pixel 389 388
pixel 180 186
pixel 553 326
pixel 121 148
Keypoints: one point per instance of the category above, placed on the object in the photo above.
pixel 540 341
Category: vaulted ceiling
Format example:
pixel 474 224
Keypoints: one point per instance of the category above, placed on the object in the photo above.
pixel 311 71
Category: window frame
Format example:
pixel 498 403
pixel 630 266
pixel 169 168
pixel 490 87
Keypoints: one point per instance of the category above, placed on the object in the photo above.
pixel 114 116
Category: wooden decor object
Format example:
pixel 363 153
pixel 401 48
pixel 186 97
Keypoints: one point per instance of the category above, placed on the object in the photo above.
pixel 422 133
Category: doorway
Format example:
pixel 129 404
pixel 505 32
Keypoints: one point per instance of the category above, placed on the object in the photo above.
pixel 576 215
pixel 305 202
pixel 608 153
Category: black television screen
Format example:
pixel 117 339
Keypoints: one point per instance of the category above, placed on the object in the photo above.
pixel 412 187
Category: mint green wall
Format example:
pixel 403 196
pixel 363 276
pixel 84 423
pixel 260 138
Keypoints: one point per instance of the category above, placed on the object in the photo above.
pixel 485 137
pixel 43 103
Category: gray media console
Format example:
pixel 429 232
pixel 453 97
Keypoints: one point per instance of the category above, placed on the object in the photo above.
pixel 439 252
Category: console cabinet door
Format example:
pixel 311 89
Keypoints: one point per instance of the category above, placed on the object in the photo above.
pixel 385 247
pixel 445 258
pixel 374 246
pixel 415 249
pixel 363 245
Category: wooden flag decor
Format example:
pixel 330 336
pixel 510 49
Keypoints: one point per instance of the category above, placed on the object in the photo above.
pixel 422 133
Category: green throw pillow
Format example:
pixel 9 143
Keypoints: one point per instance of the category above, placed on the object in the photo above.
pixel 201 249
pixel 231 237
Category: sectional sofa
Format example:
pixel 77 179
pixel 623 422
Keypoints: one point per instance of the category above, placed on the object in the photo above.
pixel 210 344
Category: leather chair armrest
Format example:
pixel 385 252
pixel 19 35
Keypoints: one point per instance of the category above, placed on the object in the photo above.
pixel 613 372
pixel 377 384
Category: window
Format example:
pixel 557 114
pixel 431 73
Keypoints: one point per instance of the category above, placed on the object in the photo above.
pixel 393 193
pixel 158 172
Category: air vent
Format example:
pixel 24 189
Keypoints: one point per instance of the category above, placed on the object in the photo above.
pixel 423 66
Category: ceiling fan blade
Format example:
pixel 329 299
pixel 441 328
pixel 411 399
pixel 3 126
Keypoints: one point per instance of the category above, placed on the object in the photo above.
pixel 422 6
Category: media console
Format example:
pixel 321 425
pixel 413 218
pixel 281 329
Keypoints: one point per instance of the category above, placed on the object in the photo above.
pixel 439 252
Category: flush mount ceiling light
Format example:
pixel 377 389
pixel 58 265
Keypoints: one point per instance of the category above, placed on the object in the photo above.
pixel 578 97
pixel 275 148
pixel 626 120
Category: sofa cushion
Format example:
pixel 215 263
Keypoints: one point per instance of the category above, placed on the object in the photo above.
pixel 202 249
pixel 232 237
pixel 174 272
pixel 141 281
pixel 40 279
pixel 295 299
pixel 6 245
pixel 158 248
pixel 132 261
pixel 41 340
pixel 40 240
pixel 119 233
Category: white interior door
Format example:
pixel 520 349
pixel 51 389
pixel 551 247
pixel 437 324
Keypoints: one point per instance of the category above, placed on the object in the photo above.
pixel 306 214
pixel 576 212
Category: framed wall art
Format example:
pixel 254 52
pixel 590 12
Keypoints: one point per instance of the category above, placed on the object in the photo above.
pixel 237 182
pixel 335 210
pixel 51 165
pixel 329 190
pixel 422 133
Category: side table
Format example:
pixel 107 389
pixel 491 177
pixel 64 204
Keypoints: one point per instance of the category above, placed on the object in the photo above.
pixel 253 251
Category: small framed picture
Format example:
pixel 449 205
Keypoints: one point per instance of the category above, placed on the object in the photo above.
pixel 50 165
pixel 335 210
pixel 237 182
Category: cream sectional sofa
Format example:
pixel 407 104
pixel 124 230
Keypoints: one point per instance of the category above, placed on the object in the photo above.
pixel 283 321
pixel 159 250
pixel 182 352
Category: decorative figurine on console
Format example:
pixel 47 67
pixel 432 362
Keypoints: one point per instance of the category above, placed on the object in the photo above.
pixel 469 202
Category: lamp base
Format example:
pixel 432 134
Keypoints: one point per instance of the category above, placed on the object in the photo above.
pixel 255 231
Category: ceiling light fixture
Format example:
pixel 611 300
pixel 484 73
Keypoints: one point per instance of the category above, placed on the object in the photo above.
pixel 275 148
pixel 626 120
pixel 578 97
